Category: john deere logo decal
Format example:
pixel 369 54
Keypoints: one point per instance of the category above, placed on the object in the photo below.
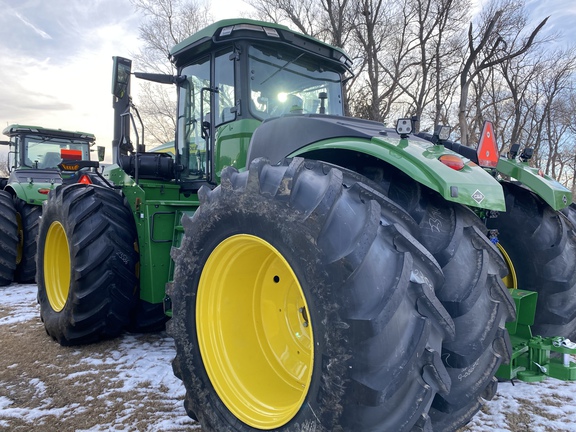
pixel 478 196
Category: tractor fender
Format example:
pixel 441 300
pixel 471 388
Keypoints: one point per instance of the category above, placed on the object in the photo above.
pixel 554 193
pixel 29 192
pixel 340 140
pixel 470 186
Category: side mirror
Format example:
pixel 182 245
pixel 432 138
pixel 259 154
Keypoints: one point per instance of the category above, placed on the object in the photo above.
pixel 101 152
pixel 5 143
pixel 121 76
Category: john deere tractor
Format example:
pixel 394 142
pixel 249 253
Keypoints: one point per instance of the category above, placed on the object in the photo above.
pixel 33 157
pixel 321 272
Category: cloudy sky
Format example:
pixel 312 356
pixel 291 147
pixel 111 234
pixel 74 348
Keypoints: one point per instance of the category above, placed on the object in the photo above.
pixel 56 60
pixel 55 56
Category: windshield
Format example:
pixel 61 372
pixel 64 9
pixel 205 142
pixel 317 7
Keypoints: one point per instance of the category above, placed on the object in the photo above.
pixel 291 83
pixel 45 152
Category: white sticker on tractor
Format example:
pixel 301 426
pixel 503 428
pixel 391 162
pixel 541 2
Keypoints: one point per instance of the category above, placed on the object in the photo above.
pixel 478 196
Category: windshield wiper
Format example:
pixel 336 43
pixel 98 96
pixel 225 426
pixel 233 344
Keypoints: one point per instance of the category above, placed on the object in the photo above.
pixel 281 69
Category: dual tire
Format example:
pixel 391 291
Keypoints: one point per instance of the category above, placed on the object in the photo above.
pixel 541 245
pixel 386 340
pixel 87 284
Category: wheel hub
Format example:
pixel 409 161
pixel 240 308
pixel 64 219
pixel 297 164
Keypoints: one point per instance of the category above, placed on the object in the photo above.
pixel 254 331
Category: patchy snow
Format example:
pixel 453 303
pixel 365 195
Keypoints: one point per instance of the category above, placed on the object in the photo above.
pixel 138 369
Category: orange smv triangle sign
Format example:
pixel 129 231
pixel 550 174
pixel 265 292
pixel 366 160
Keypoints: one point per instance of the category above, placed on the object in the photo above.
pixel 487 149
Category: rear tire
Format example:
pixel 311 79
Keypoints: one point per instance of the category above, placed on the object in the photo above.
pixel 30 218
pixel 332 300
pixel 541 244
pixel 86 264
pixel 8 238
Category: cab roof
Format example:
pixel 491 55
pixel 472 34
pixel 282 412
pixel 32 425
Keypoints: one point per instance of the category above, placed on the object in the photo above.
pixel 223 31
pixel 17 129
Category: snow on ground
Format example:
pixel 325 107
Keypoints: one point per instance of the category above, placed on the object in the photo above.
pixel 136 370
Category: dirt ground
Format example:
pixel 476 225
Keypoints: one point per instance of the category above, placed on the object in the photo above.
pixel 109 386
pixel 127 384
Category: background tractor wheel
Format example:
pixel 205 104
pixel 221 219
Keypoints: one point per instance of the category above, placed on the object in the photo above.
pixel 147 317
pixel 541 244
pixel 299 305
pixel 8 238
pixel 86 262
pixel 29 219
pixel 473 293
pixel 570 213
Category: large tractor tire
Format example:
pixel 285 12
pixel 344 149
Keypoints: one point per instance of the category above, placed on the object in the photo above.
pixel 8 239
pixel 86 264
pixel 541 246
pixel 299 303
pixel 473 293
pixel 28 218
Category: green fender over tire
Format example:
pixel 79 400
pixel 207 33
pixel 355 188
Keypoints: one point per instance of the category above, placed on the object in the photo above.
pixel 300 302
pixel 86 264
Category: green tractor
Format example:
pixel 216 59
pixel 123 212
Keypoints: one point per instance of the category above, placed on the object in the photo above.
pixel 33 158
pixel 321 272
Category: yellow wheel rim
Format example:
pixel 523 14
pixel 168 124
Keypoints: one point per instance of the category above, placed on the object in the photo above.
pixel 57 266
pixel 510 280
pixel 254 331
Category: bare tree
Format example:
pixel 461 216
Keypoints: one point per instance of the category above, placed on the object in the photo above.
pixel 166 23
pixel 491 46
pixel 4 165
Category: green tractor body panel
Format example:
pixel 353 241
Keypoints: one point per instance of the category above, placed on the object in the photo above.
pixel 555 195
pixel 470 185
pixel 157 208
pixel 232 143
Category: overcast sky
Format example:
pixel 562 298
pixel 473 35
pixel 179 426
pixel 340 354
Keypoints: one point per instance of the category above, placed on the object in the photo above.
pixel 56 61
pixel 55 57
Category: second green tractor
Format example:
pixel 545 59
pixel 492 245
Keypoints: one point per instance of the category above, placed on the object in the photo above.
pixel 33 156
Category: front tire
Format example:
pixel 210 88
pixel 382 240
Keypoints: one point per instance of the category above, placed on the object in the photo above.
pixel 299 303
pixel 86 262
pixel 8 238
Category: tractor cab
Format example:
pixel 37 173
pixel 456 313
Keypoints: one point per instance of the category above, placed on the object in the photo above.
pixel 35 153
pixel 231 77
pixel 34 147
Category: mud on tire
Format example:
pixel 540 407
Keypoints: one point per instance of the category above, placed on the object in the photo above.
pixel 86 262
pixel 369 352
